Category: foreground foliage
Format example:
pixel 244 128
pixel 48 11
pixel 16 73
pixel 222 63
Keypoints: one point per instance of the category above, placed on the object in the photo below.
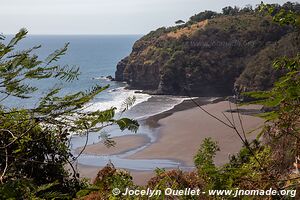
pixel 34 142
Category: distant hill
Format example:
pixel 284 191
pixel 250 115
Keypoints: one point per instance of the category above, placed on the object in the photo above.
pixel 211 54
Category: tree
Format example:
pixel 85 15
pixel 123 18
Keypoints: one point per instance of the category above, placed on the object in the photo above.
pixel 230 10
pixel 287 89
pixel 283 102
pixel 247 9
pixel 34 144
pixel 203 16
pixel 179 22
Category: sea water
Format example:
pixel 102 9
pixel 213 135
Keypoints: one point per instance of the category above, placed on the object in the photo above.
pixel 97 57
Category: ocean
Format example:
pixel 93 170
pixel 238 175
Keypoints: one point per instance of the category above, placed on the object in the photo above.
pixel 97 57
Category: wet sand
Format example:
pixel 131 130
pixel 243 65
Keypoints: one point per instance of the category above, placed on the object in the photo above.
pixel 123 144
pixel 181 132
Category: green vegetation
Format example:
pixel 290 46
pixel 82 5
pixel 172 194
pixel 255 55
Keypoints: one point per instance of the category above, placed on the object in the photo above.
pixel 220 53
pixel 34 145
pixel 34 142
pixel 263 163
pixel 203 16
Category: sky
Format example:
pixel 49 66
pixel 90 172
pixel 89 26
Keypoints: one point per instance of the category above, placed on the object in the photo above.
pixel 93 17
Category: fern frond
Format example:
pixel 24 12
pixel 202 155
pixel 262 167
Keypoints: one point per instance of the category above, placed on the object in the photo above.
pixel 129 102
pixel 55 56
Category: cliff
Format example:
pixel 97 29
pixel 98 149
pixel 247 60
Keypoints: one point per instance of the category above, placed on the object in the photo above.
pixel 209 55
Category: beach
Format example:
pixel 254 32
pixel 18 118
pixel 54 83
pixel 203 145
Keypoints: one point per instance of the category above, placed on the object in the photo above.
pixel 181 134
pixel 123 144
pixel 181 131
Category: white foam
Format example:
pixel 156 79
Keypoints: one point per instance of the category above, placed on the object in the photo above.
pixel 212 99
pixel 121 94
pixel 100 78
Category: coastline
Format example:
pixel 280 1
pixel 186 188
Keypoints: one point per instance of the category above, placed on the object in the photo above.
pixel 123 144
pixel 177 138
pixel 181 134
pixel 152 121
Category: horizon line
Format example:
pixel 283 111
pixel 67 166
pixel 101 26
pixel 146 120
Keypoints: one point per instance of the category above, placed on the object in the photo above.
pixel 70 34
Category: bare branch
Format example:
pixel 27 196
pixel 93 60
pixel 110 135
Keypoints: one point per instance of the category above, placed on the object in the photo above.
pixel 5 168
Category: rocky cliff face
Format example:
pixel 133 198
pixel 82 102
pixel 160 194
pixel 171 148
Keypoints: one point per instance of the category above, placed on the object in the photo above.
pixel 206 58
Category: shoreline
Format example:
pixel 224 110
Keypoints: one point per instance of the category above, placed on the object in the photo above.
pixel 152 121
pixel 126 142
pixel 181 133
pixel 176 139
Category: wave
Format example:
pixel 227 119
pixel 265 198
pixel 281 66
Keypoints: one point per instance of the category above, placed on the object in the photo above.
pixel 101 78
pixel 119 95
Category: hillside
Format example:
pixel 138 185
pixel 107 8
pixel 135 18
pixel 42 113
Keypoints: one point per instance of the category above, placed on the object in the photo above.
pixel 211 54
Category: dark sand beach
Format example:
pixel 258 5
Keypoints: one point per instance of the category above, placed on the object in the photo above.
pixel 124 144
pixel 180 133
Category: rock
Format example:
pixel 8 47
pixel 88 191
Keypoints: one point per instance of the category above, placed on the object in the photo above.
pixel 110 78
pixel 119 76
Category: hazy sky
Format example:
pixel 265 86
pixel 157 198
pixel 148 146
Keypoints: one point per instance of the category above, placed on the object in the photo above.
pixel 103 16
